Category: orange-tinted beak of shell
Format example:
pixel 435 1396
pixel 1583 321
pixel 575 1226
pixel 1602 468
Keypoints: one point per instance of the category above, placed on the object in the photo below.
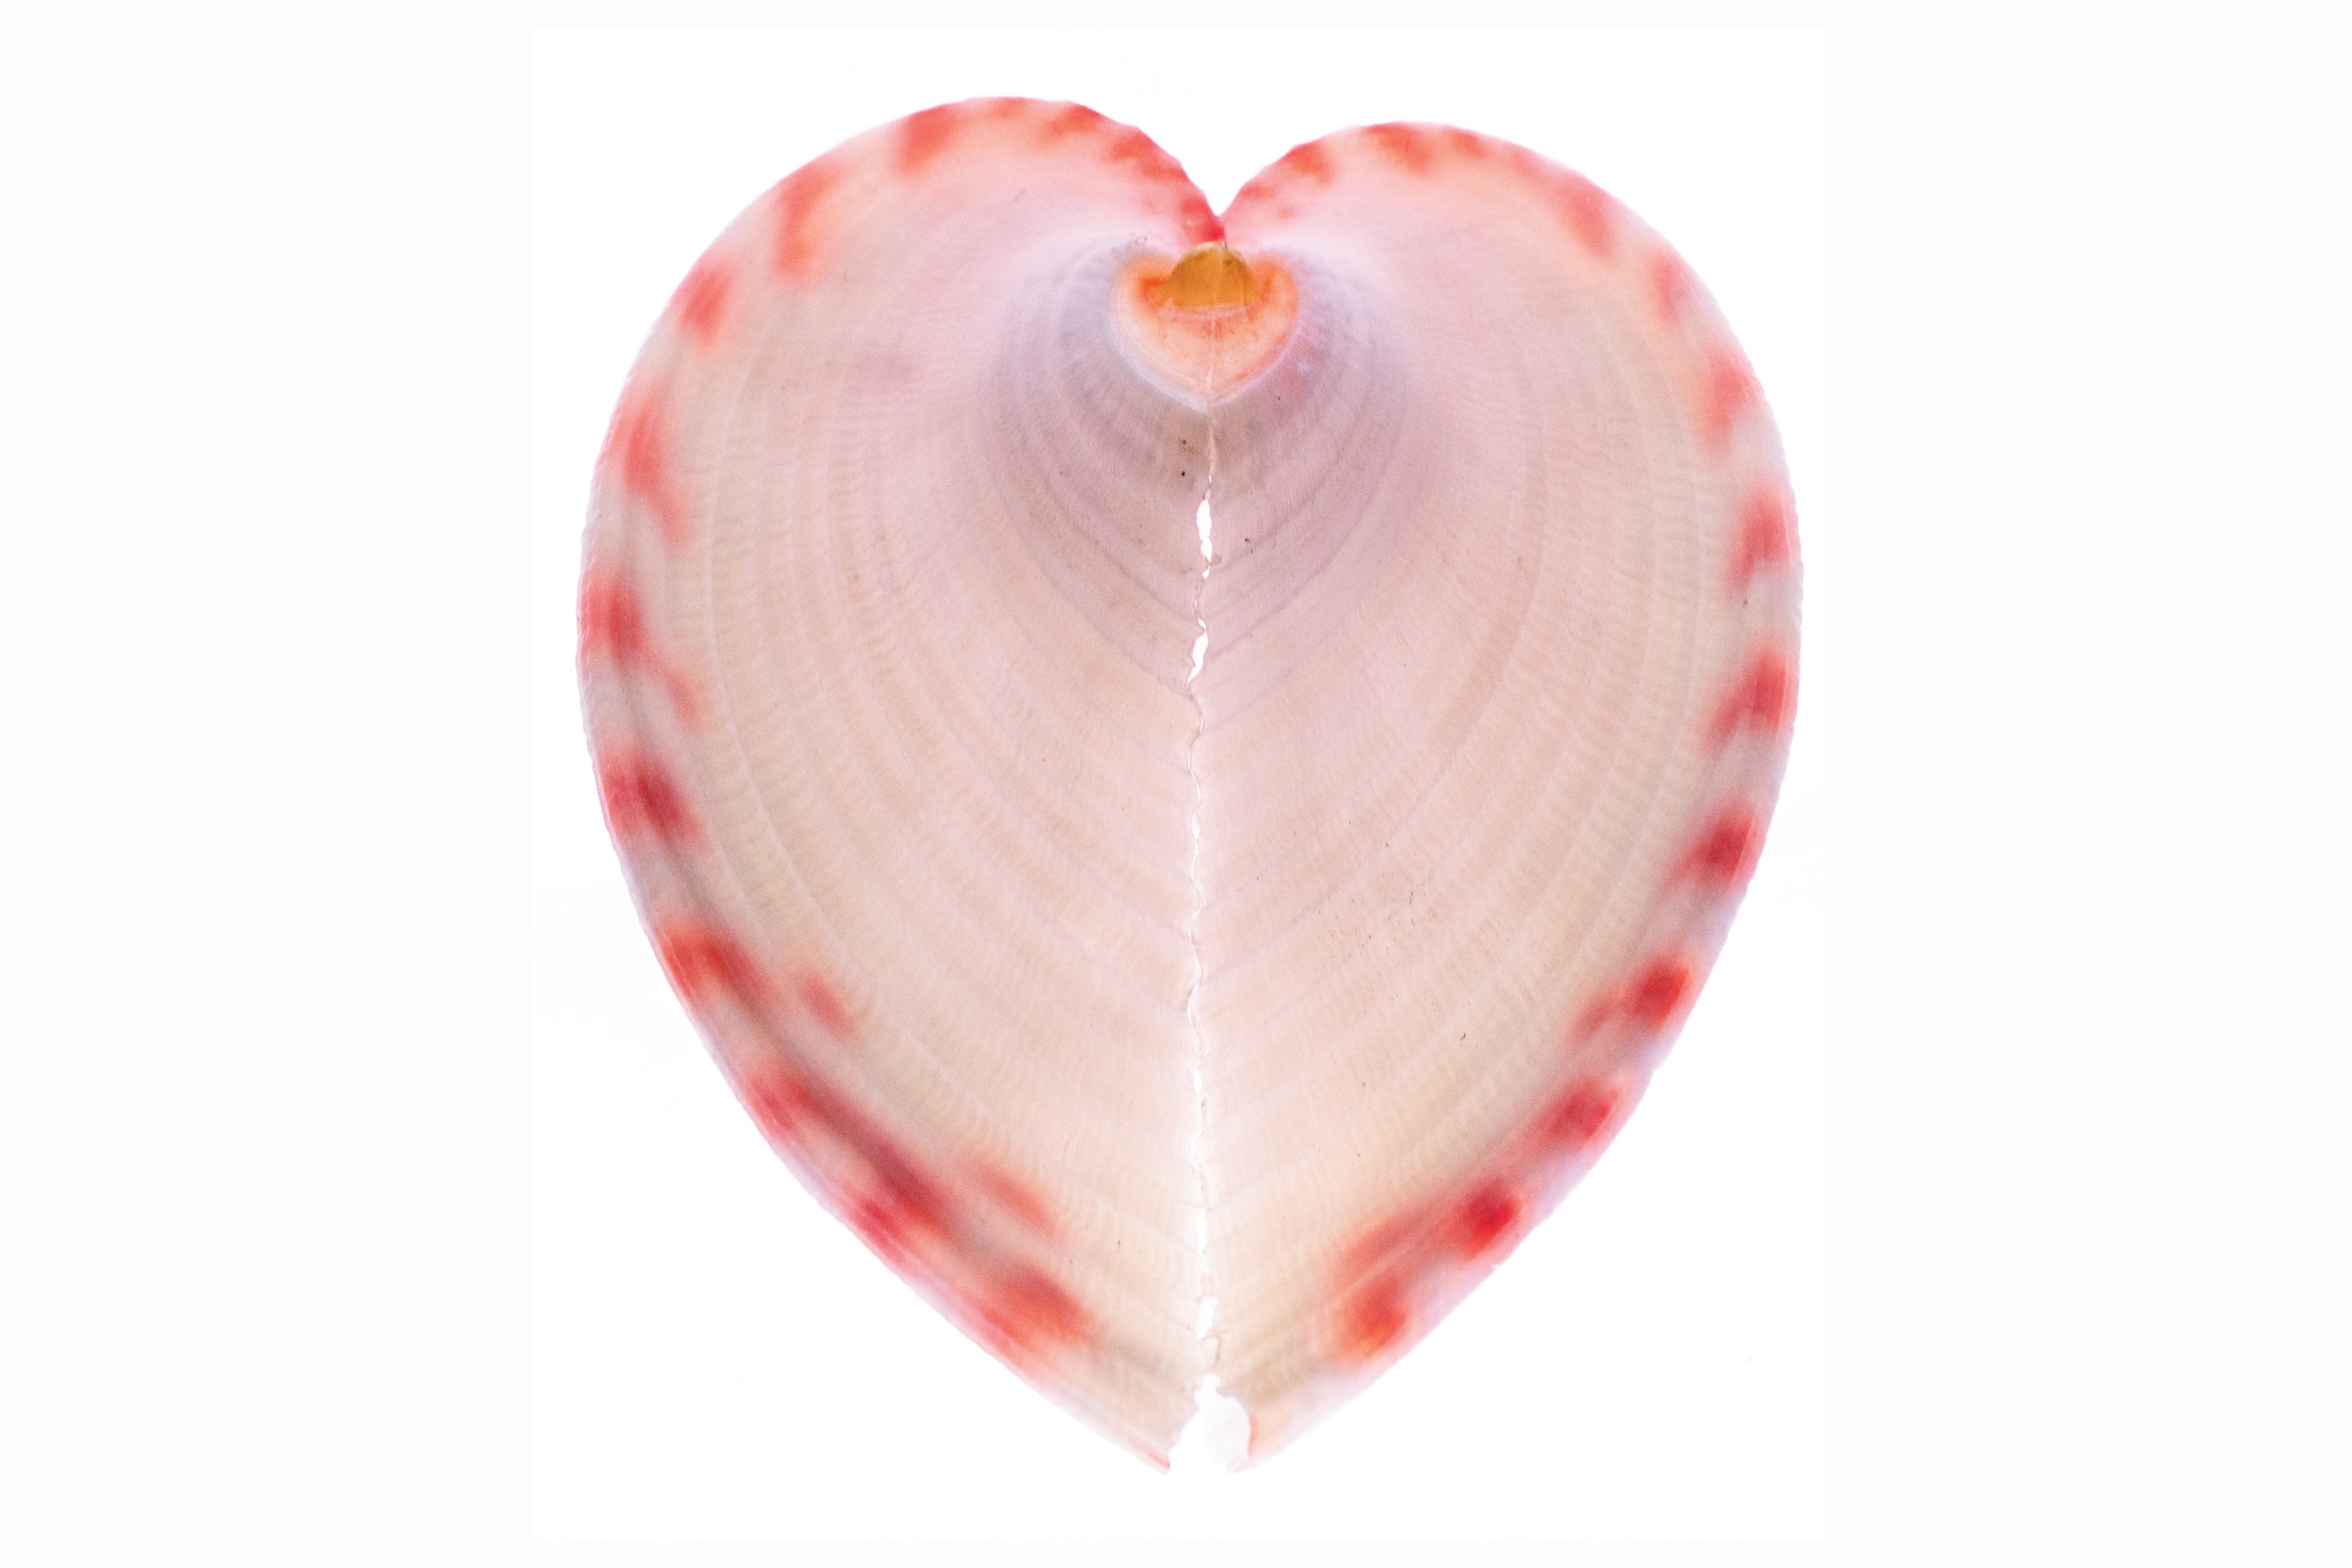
pixel 1211 320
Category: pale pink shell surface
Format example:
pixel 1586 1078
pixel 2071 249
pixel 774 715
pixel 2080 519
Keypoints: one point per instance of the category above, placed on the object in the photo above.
pixel 1166 1010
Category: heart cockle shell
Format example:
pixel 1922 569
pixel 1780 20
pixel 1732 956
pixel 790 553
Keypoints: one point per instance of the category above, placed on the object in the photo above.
pixel 1192 974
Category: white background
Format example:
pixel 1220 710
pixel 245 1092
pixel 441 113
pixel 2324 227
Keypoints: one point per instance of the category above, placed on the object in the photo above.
pixel 715 1357
pixel 276 669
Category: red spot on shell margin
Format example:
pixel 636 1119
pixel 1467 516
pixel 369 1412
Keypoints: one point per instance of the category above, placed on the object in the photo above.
pixel 1589 211
pixel 886 1194
pixel 1648 1002
pixel 611 625
pixel 641 800
pixel 1070 120
pixel 825 1005
pixel 638 449
pixel 1574 1123
pixel 903 1207
pixel 796 198
pixel 1765 527
pixel 702 301
pixel 1485 1219
pixel 1730 392
pixel 1140 152
pixel 1403 145
pixel 703 960
pixel 1658 992
pixel 1725 851
pixel 923 136
pixel 612 630
pixel 1369 1321
pixel 778 1103
pixel 1309 161
pixel 1671 284
pixel 1024 1315
pixel 1760 700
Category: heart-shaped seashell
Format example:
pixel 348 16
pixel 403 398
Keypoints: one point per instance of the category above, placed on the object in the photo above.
pixel 1188 969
